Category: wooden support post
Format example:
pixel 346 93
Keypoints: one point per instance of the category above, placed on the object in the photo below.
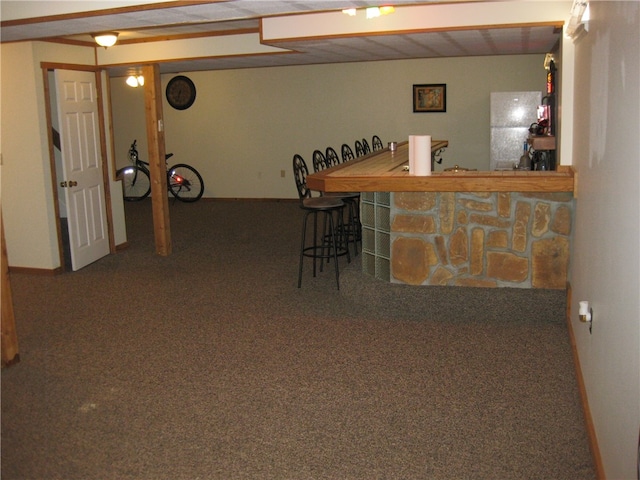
pixel 9 344
pixel 156 156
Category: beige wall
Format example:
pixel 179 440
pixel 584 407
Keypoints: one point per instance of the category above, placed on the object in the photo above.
pixel 606 260
pixel 245 125
pixel 26 180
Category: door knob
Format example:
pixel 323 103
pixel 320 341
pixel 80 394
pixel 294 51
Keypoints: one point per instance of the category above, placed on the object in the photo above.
pixel 72 183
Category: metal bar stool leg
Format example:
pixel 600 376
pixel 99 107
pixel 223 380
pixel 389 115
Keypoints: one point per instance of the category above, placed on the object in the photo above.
pixel 315 243
pixel 302 245
pixel 335 248
pixel 354 226
pixel 345 235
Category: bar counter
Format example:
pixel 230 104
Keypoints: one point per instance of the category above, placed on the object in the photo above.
pixel 458 228
pixel 385 171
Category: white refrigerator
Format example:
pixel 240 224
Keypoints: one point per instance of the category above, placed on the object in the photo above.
pixel 512 113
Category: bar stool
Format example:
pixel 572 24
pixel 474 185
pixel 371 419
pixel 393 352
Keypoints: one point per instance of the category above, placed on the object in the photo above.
pixel 347 153
pixel 329 245
pixel 351 199
pixel 376 143
pixel 365 146
pixel 332 157
pixel 359 148
pixel 319 161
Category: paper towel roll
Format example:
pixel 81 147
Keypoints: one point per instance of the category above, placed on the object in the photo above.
pixel 412 163
pixel 420 155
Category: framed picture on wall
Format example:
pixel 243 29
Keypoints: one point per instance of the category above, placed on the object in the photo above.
pixel 430 97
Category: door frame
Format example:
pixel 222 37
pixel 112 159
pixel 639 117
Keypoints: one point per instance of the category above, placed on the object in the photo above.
pixel 46 68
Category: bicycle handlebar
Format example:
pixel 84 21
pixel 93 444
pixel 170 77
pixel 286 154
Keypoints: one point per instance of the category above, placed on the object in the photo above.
pixel 133 153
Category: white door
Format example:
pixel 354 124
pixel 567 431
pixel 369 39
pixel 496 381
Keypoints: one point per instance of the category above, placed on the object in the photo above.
pixel 82 177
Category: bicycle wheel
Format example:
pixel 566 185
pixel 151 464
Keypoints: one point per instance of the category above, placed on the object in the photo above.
pixel 136 184
pixel 185 183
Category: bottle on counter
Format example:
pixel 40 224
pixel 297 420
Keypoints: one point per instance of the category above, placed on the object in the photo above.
pixel 525 159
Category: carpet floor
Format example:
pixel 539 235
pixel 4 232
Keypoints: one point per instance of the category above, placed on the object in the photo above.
pixel 211 364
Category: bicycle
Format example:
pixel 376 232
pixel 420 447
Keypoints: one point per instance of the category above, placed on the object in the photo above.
pixel 183 181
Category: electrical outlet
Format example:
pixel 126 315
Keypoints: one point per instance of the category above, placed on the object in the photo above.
pixel 282 173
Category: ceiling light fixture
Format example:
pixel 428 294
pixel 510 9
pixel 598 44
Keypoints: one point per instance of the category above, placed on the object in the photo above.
pixel 373 12
pixel 135 80
pixel 105 40
pixel 370 12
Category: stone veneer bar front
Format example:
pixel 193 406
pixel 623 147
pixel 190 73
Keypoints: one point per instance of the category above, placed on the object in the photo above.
pixel 477 239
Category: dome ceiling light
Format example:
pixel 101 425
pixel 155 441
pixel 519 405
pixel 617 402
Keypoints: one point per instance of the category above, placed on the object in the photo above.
pixel 107 39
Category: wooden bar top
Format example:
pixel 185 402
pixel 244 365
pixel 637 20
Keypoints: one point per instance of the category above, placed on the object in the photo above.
pixel 384 171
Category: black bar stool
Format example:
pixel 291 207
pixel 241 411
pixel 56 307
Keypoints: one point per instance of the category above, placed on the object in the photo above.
pixel 347 153
pixel 331 243
pixel 365 146
pixel 352 230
